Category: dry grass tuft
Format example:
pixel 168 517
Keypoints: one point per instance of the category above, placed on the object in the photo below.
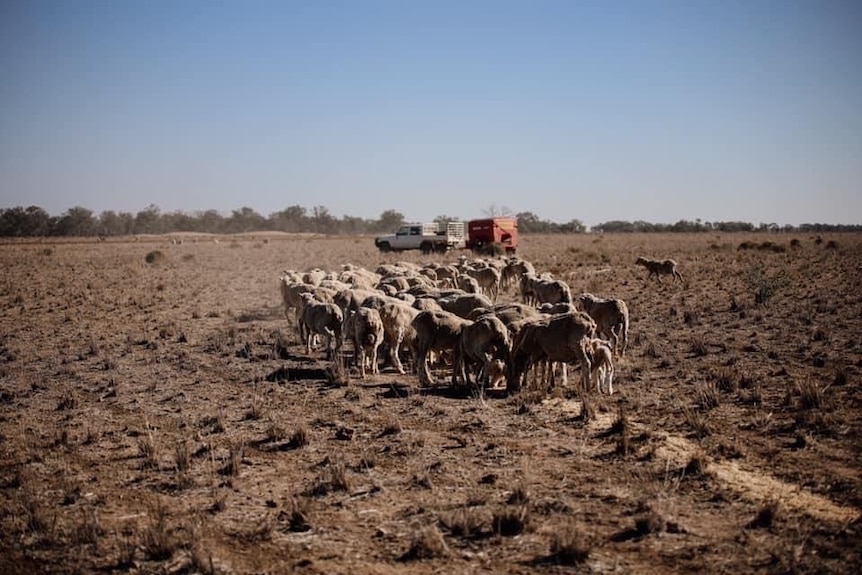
pixel 696 421
pixel 158 540
pixel 426 543
pixel 465 523
pixel 811 395
pixel 707 396
pixel 510 522
pixel 296 515
pixel 569 545
pixel 301 437
pixel 332 478
pixel 765 516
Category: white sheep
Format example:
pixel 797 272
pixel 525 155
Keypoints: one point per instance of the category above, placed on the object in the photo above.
pixel 659 268
pixel 611 317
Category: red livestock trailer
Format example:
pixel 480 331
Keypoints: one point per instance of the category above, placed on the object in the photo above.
pixel 500 231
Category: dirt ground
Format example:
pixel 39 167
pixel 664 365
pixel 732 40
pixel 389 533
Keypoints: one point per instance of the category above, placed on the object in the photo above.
pixel 157 415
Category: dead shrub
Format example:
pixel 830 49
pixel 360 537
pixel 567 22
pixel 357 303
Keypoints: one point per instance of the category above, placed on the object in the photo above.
pixel 765 286
pixel 154 257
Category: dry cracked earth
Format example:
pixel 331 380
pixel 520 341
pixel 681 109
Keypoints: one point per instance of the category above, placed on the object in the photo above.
pixel 158 415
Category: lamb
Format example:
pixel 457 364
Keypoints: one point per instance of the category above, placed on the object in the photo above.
pixel 365 327
pixel 322 318
pixel 398 330
pixel 437 331
pixel 559 338
pixel 611 317
pixel 659 268
pixel 602 359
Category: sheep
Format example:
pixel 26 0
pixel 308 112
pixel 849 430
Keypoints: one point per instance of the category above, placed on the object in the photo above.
pixel 611 317
pixel 555 308
pixel 437 331
pixel 602 360
pixel 557 338
pixel 365 327
pixel 398 330
pixel 322 318
pixel 468 284
pixel 462 304
pixel 291 292
pixel 482 341
pixel 659 268
pixel 537 290
pixel 488 279
pixel 513 270
pixel 508 313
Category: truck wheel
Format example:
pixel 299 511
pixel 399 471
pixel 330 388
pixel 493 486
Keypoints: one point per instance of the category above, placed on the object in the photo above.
pixel 441 248
pixel 384 247
pixel 426 247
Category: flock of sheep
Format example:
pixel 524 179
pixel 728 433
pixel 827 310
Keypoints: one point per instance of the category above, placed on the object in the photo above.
pixel 449 315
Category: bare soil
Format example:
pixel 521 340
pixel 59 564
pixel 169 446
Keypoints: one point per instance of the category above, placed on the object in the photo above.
pixel 157 415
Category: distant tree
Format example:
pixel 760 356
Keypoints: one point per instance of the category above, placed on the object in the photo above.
pixel 494 211
pixel 445 219
pixel 180 222
pixel 292 219
pixel 111 224
pixel 353 225
pixel 528 222
pixel 574 227
pixel 210 222
pixel 389 221
pixel 148 220
pixel 322 221
pixel 244 220
pixel 76 221
pixel 30 222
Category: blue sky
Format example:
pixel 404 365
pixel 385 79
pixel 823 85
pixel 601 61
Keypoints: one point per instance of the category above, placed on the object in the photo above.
pixel 655 110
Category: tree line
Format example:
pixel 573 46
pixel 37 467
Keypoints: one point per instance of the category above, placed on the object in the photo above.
pixel 34 221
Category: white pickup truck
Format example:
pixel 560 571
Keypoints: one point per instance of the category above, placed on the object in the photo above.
pixel 428 237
